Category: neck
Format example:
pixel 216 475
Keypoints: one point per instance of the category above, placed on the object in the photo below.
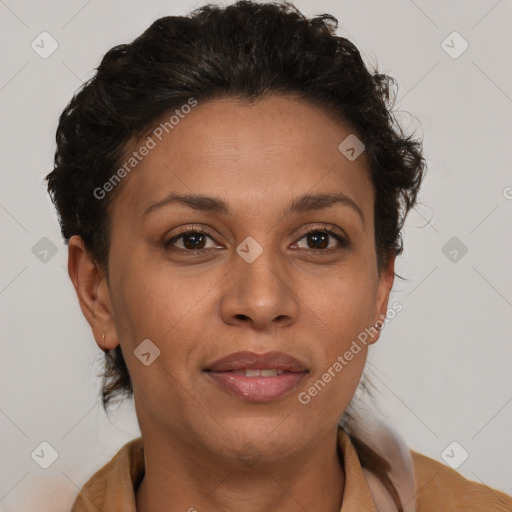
pixel 177 480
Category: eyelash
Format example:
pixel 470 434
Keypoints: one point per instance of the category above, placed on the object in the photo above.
pixel 344 244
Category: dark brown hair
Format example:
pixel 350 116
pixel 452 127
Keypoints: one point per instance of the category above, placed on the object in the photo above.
pixel 246 51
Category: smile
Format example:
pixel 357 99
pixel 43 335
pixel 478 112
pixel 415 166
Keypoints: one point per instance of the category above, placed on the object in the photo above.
pixel 251 372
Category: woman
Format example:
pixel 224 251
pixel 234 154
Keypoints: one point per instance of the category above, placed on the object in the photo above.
pixel 232 186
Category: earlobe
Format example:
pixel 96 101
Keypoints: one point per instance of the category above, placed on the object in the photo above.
pixel 91 288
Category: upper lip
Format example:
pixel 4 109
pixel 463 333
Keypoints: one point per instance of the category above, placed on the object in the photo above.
pixel 251 360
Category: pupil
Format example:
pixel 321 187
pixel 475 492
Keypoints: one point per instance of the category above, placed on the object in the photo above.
pixel 316 236
pixel 194 237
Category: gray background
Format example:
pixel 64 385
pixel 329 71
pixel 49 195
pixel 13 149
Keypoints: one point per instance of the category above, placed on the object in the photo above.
pixel 443 363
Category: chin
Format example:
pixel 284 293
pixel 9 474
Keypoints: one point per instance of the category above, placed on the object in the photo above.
pixel 267 440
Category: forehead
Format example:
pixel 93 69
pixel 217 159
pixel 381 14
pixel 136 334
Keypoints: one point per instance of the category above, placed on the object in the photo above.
pixel 251 154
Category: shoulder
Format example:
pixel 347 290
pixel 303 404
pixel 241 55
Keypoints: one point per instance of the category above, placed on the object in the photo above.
pixel 438 488
pixel 424 484
pixel 112 486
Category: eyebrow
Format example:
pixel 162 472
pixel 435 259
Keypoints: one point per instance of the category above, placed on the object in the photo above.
pixel 302 204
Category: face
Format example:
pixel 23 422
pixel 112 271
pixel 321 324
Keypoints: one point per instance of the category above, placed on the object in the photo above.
pixel 269 271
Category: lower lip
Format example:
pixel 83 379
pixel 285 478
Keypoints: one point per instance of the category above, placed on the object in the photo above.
pixel 257 389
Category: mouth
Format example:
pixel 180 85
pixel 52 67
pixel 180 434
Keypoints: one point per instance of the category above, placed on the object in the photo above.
pixel 257 377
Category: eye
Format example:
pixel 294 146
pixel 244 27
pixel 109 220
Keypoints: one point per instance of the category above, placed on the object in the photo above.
pixel 192 240
pixel 317 239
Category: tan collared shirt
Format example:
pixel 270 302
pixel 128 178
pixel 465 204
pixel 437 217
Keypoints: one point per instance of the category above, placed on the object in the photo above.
pixel 438 487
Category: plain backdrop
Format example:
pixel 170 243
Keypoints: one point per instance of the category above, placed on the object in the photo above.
pixel 442 365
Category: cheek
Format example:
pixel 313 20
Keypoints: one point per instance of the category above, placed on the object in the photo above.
pixel 153 302
pixel 339 313
pixel 329 392
pixel 342 301
pixel 152 307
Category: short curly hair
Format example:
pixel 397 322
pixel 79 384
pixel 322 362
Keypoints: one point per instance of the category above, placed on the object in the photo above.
pixel 246 50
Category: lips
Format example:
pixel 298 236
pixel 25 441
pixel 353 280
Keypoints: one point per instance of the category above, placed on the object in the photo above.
pixel 257 377
pixel 252 361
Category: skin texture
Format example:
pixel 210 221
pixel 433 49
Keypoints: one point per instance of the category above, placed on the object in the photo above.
pixel 204 448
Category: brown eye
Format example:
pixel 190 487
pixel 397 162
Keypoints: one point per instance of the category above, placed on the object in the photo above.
pixel 318 240
pixel 192 240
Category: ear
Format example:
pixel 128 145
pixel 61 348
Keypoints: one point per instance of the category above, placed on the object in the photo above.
pixel 386 279
pixel 92 290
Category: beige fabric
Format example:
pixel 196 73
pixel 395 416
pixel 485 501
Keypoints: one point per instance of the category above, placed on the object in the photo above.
pixel 438 488
pixel 388 443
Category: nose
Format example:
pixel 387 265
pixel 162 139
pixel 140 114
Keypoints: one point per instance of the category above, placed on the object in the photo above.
pixel 260 293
